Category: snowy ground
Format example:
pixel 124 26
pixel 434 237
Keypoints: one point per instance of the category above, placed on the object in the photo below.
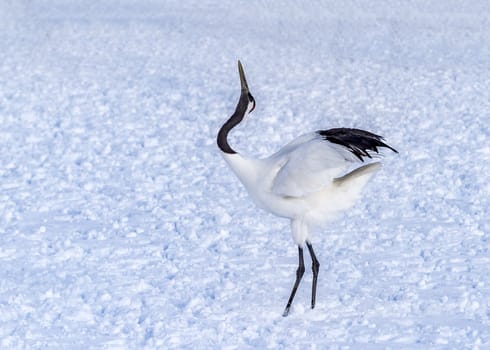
pixel 122 228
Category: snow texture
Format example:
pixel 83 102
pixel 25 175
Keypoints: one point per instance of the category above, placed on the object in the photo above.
pixel 122 228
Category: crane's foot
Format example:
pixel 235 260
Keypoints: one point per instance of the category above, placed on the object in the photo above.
pixel 286 311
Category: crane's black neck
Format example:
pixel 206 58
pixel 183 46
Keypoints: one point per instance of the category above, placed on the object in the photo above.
pixel 235 119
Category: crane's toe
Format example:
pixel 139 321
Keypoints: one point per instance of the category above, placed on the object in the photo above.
pixel 286 311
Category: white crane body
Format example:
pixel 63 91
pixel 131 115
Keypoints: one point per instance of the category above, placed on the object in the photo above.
pixel 275 186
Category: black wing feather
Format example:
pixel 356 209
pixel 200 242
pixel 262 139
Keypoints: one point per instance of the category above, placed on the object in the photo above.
pixel 357 141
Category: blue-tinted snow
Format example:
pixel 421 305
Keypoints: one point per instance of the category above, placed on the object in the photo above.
pixel 122 228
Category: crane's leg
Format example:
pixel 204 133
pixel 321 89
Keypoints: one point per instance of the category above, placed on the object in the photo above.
pixel 299 274
pixel 315 266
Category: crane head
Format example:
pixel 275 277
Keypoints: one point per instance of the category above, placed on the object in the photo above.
pixel 245 92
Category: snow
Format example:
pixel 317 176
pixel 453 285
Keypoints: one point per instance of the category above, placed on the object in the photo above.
pixel 123 228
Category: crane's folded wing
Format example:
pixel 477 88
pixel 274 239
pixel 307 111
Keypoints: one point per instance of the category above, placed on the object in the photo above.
pixel 308 166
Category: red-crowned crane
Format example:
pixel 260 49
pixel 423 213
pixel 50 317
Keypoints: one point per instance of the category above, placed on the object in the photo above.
pixel 308 181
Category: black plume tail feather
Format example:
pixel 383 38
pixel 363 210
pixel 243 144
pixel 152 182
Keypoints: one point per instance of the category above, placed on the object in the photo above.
pixel 357 141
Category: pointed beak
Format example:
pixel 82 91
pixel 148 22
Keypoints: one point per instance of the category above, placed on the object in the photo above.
pixel 243 80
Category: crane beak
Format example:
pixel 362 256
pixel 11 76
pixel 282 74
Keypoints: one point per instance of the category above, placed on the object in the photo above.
pixel 243 80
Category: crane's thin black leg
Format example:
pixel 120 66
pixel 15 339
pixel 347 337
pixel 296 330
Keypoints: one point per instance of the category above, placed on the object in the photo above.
pixel 315 266
pixel 299 274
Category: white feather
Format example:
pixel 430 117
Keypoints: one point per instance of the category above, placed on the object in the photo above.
pixel 307 166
